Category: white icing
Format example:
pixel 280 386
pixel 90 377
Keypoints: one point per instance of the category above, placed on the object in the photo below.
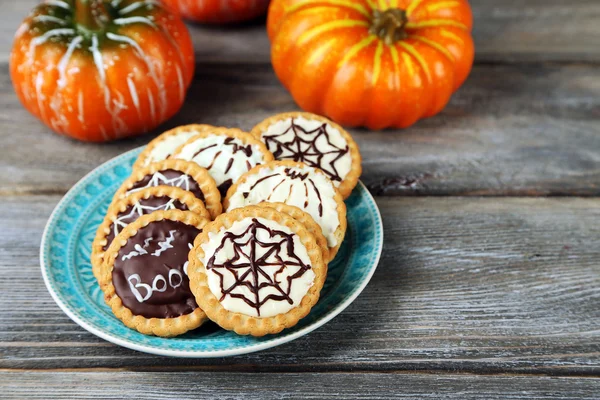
pixel 167 146
pixel 139 209
pixel 138 250
pixel 296 192
pixel 216 156
pixel 181 181
pixel 299 285
pixel 159 284
pixel 164 246
pixel 329 147
pixel 141 250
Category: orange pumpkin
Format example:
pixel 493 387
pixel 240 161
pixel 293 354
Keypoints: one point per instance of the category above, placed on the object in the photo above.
pixel 379 64
pixel 100 70
pixel 219 11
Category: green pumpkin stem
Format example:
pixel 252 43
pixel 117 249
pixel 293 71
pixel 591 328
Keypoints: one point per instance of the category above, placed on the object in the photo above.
pixel 389 25
pixel 91 14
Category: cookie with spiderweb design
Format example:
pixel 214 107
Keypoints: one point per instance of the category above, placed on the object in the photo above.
pixel 305 219
pixel 125 211
pixel 256 271
pixel 178 173
pixel 315 141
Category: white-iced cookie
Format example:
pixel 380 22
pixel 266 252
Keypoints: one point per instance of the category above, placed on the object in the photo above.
pixel 166 143
pixel 315 141
pixel 298 185
pixel 256 271
pixel 225 153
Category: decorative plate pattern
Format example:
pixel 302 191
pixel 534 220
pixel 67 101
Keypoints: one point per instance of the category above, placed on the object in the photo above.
pixel 67 272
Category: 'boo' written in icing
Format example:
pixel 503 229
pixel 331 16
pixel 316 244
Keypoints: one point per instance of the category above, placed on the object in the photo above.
pixel 159 284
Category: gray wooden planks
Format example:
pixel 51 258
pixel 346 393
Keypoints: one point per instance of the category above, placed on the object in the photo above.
pixel 511 130
pixel 506 31
pixel 524 129
pixel 201 385
pixel 240 43
pixel 465 284
pixel 496 286
pixel 536 30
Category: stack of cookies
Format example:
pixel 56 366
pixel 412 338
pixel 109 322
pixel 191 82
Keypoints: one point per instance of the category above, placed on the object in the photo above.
pixel 220 224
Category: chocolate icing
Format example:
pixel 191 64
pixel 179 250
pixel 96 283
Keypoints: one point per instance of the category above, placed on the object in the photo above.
pixel 224 187
pixel 247 268
pixel 295 175
pixel 262 179
pixel 131 213
pixel 247 149
pixel 160 248
pixel 290 173
pixel 172 176
pixel 235 147
pixel 307 151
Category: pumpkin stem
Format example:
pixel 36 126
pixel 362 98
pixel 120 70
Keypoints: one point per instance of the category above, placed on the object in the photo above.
pixel 91 14
pixel 389 25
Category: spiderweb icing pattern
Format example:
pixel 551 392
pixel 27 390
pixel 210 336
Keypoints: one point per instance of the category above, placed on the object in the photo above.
pixel 257 265
pixel 312 147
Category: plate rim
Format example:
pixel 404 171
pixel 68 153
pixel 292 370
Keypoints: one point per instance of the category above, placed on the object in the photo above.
pixel 198 353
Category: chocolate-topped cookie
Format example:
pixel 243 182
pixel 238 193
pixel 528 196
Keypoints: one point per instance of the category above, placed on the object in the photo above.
pixel 225 153
pixel 166 143
pixel 125 211
pixel 178 173
pixel 144 274
pixel 256 271
pixel 295 184
pixel 315 141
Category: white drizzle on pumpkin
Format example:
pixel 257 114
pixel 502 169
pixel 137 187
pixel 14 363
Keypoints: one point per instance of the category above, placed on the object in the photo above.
pixel 114 102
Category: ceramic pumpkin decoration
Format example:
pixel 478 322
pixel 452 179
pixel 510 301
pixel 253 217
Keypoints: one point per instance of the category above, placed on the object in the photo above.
pixel 99 70
pixel 219 11
pixel 373 63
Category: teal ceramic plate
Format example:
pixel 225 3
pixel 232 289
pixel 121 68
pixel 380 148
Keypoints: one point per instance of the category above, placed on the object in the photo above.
pixel 65 262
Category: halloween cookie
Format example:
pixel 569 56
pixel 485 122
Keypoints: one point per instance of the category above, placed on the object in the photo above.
pixel 298 185
pixel 144 274
pixel 225 153
pixel 179 173
pixel 315 141
pixel 125 211
pixel 305 219
pixel 256 271
pixel 165 144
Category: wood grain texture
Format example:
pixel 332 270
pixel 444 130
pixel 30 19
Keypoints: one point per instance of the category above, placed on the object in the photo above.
pixel 464 284
pixel 481 295
pixel 511 130
pixel 246 42
pixel 510 31
pixel 506 31
pixel 194 385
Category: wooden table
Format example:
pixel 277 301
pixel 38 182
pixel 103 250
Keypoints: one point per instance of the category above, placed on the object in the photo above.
pixel 489 283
